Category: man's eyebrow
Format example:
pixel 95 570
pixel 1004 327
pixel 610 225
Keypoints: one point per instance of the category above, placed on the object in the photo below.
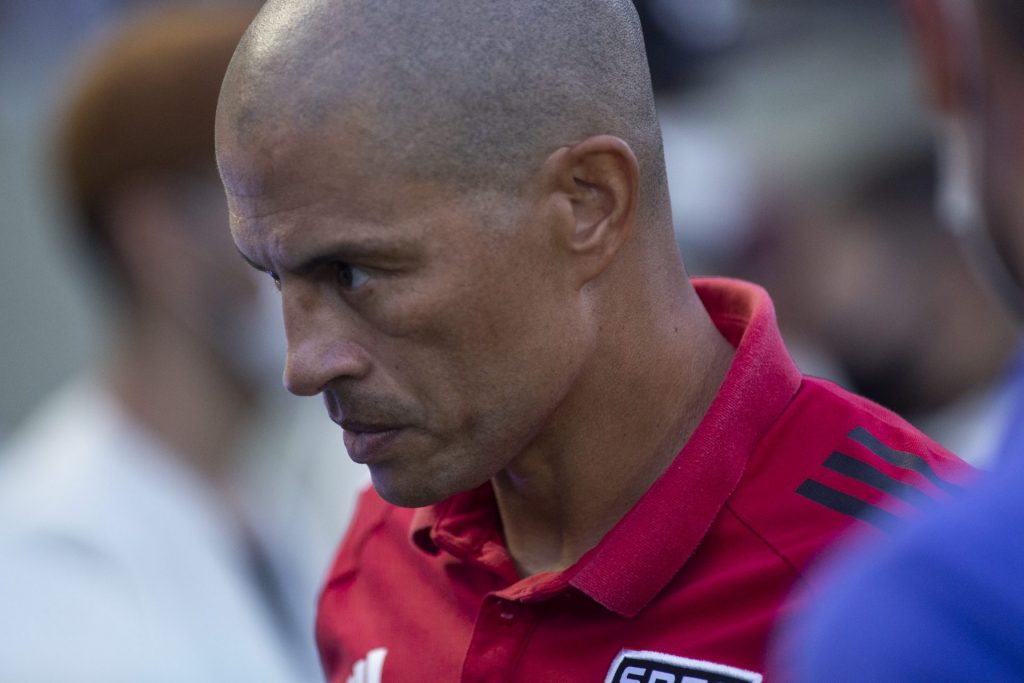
pixel 343 250
pixel 346 249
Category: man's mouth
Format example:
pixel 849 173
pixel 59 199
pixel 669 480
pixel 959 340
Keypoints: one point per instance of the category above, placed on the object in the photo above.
pixel 366 443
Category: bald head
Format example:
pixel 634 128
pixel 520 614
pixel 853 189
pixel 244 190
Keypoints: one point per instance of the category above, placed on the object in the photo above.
pixel 464 207
pixel 476 92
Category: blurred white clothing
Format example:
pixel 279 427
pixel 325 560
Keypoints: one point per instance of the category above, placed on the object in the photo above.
pixel 118 564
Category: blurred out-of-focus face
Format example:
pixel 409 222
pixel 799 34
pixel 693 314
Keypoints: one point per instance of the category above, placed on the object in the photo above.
pixel 436 320
pixel 218 288
pixel 1000 114
pixel 214 293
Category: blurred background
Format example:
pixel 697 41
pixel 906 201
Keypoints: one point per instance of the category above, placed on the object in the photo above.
pixel 167 510
pixel 799 155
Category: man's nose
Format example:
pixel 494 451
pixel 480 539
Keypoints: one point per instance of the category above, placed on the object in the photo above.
pixel 320 347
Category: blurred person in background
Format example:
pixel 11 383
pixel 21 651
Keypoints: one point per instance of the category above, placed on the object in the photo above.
pixel 688 44
pixel 837 218
pixel 168 515
pixel 889 296
pixel 943 599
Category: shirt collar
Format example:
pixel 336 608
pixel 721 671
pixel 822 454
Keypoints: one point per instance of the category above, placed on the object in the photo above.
pixel 459 524
pixel 641 554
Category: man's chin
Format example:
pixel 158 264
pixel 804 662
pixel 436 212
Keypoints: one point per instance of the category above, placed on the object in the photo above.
pixel 405 494
pixel 409 490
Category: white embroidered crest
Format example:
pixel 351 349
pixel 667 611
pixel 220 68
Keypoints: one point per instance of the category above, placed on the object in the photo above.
pixel 369 670
pixel 634 666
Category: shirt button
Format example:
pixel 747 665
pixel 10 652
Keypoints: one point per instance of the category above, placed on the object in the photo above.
pixel 507 611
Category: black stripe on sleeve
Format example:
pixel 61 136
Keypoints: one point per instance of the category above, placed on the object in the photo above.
pixel 907 461
pixel 862 471
pixel 848 505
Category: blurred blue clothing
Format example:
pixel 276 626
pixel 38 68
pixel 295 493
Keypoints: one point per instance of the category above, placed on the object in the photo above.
pixel 118 564
pixel 944 601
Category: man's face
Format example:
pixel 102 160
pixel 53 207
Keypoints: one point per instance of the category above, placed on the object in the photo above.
pixel 440 325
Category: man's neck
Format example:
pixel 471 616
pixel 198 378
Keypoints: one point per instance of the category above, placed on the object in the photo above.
pixel 622 429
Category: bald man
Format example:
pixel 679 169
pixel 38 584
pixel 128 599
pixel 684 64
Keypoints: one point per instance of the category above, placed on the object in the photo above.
pixel 585 466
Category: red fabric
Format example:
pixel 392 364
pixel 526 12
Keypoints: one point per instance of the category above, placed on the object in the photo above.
pixel 699 568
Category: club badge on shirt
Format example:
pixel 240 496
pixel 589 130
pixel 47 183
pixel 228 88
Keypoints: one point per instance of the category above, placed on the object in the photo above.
pixel 633 666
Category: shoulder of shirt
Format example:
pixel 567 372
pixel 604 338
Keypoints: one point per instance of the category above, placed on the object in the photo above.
pixel 834 464
pixel 884 424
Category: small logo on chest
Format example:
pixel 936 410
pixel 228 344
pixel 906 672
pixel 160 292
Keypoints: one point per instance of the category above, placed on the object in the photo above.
pixel 369 670
pixel 633 666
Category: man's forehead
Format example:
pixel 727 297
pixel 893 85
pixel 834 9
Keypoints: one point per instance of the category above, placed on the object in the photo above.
pixel 296 234
pixel 302 192
pixel 266 174
pixel 282 237
pixel 262 143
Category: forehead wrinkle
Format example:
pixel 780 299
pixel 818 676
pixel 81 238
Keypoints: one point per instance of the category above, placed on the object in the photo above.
pixel 287 170
pixel 263 232
pixel 292 240
pixel 274 207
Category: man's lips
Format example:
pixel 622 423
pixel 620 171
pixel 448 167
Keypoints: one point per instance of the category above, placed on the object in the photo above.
pixel 365 445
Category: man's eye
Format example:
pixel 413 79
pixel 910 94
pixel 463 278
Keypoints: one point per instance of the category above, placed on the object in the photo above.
pixel 351 277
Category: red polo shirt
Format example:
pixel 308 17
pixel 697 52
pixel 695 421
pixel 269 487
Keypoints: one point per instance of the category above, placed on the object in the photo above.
pixel 684 588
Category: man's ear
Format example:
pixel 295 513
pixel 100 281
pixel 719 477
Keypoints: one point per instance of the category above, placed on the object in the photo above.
pixel 597 181
pixel 935 42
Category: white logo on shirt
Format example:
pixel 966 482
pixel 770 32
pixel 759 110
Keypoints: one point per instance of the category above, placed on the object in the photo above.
pixel 369 670
pixel 633 666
